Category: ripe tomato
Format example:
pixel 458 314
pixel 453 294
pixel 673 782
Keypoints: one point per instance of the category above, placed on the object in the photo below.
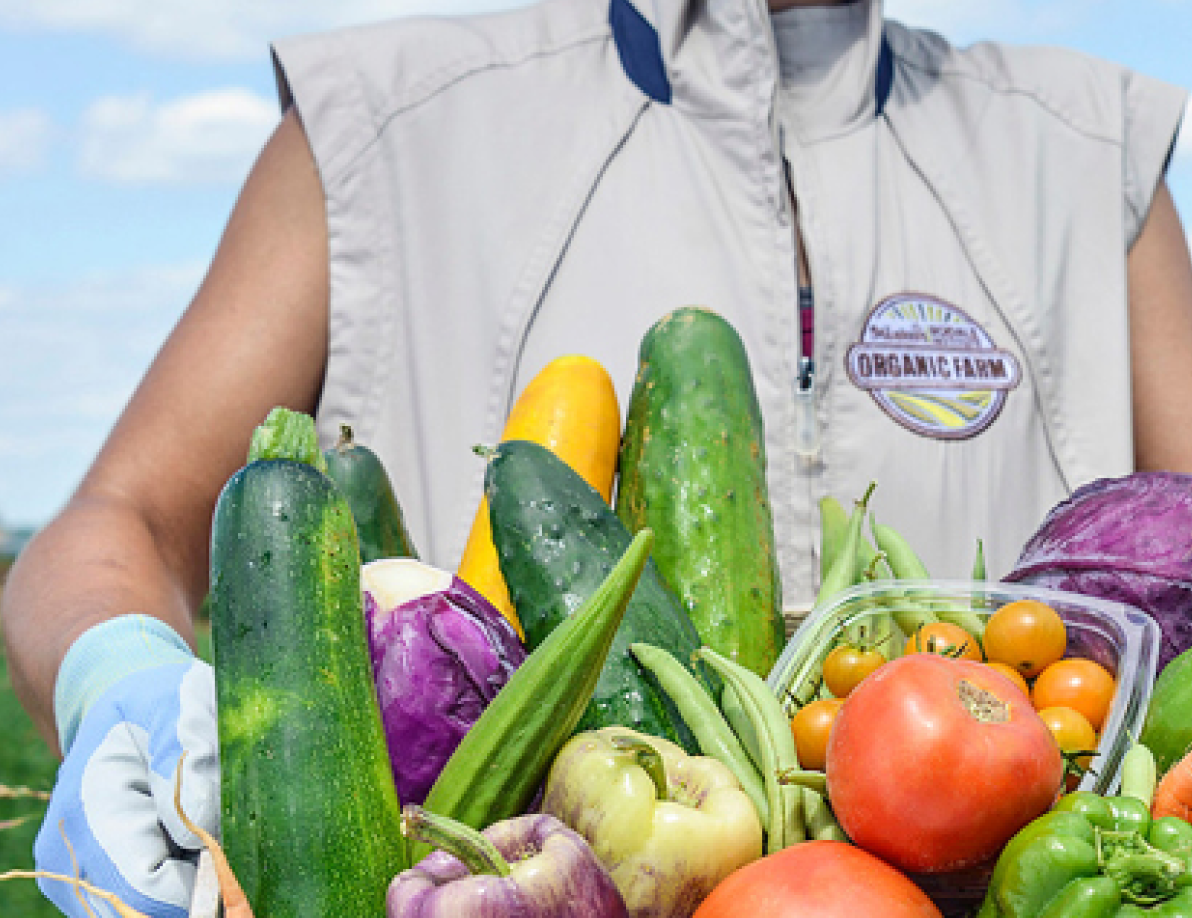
pixel 846 665
pixel 1076 683
pixel 1026 634
pixel 1073 733
pixel 817 879
pixel 1012 674
pixel 945 638
pixel 811 726
pixel 933 763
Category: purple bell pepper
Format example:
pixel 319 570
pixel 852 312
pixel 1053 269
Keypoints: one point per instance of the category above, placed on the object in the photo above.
pixel 530 866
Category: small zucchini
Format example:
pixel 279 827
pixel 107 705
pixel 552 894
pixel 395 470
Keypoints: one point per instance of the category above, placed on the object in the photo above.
pixel 361 476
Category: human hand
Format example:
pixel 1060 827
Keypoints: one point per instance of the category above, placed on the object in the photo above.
pixel 130 699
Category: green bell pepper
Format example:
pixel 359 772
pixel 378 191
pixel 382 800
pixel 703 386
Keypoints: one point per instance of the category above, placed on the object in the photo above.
pixel 1094 857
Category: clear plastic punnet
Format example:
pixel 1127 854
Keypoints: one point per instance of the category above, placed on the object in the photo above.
pixel 1123 639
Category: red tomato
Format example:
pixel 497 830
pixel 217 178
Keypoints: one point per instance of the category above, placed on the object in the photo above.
pixel 817 879
pixel 933 763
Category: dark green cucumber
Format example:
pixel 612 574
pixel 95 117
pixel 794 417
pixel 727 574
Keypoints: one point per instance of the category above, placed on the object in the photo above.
pixel 556 540
pixel 310 817
pixel 693 469
pixel 361 476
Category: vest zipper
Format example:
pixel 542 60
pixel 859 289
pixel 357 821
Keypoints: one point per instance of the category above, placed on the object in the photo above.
pixel 807 432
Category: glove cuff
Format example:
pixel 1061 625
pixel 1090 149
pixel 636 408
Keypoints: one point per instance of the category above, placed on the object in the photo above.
pixel 103 655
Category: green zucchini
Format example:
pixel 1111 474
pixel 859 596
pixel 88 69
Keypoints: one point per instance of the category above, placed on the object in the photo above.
pixel 693 469
pixel 310 816
pixel 556 540
pixel 504 757
pixel 361 476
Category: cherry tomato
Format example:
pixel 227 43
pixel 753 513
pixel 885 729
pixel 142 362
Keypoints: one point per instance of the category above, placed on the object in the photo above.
pixel 1073 733
pixel 846 665
pixel 817 879
pixel 1012 674
pixel 1026 634
pixel 933 763
pixel 811 726
pixel 1076 683
pixel 947 639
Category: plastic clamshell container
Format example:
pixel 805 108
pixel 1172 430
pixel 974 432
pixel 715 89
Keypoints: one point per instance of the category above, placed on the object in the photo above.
pixel 1121 638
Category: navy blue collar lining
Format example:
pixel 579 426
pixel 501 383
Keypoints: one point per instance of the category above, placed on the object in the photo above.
pixel 641 56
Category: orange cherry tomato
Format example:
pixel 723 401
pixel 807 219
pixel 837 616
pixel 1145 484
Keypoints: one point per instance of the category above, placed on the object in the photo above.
pixel 811 726
pixel 1073 733
pixel 1010 673
pixel 1076 683
pixel 947 639
pixel 1026 634
pixel 846 665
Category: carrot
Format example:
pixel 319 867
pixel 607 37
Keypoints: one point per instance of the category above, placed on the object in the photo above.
pixel 1173 793
pixel 235 902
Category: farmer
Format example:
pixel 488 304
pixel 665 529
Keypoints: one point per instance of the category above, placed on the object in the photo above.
pixel 957 272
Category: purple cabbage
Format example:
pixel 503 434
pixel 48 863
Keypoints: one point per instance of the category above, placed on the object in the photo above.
pixel 1125 539
pixel 440 653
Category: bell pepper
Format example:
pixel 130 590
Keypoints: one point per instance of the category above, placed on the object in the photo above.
pixel 1094 857
pixel 667 826
pixel 529 866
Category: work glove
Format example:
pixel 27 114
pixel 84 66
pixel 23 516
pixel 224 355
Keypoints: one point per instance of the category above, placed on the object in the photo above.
pixel 129 698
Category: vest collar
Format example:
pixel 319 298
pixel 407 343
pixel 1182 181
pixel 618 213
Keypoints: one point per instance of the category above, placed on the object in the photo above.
pixel 722 53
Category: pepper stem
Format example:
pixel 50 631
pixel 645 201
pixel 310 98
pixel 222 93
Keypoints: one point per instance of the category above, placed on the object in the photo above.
pixel 1144 873
pixel 648 759
pixel 473 850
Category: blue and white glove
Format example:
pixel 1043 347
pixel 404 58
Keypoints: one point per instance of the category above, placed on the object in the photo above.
pixel 129 698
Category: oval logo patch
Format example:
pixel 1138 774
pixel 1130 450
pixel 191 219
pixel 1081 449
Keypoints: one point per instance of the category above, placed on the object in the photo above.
pixel 931 368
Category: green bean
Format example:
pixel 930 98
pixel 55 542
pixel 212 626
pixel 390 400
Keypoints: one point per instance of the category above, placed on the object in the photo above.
pixel 776 747
pixel 712 732
pixel 843 572
pixel 979 562
pixel 742 726
pixel 1139 773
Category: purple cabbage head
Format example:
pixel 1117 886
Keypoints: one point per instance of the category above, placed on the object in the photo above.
pixel 440 653
pixel 1125 539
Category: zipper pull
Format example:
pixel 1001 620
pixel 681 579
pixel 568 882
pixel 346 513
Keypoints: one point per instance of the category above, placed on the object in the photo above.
pixel 807 435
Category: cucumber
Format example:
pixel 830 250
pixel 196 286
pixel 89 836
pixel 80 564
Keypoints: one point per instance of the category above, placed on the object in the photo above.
pixel 361 476
pixel 693 469
pixel 310 816
pixel 556 540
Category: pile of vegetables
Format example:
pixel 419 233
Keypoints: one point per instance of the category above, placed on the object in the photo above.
pixel 585 719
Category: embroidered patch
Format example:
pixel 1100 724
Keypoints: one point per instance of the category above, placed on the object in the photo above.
pixel 931 368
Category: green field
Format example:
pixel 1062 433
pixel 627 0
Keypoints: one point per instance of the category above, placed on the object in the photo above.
pixel 25 762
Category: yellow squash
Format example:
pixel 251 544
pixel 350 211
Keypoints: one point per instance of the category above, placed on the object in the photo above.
pixel 570 408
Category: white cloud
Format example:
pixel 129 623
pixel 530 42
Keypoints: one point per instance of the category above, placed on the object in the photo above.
pixel 209 137
pixel 215 28
pixel 70 357
pixel 24 140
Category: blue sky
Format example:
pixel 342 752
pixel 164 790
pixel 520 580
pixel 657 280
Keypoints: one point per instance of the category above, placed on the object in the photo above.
pixel 127 126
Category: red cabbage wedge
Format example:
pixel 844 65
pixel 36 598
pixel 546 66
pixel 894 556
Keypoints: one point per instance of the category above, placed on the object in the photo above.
pixel 1127 539
pixel 440 653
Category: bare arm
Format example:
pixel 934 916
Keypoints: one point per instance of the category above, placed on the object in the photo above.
pixel 134 537
pixel 1160 278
